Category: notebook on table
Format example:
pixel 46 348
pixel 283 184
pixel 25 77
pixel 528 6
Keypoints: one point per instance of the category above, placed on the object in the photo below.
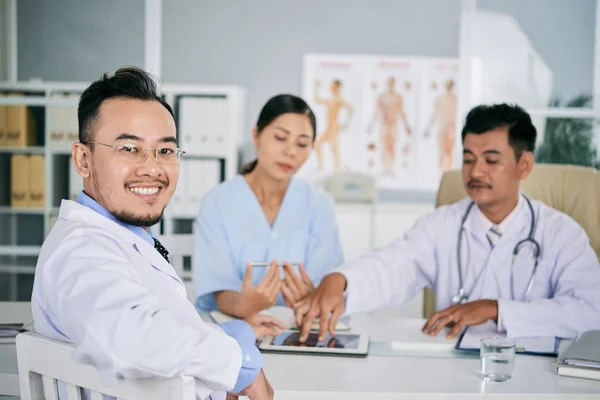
pixel 582 358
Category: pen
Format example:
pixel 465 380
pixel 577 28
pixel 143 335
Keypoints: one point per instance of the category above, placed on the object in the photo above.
pixel 266 264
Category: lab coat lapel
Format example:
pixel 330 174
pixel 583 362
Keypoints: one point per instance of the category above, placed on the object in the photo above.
pixel 474 230
pixel 477 257
pixel 73 211
pixel 154 258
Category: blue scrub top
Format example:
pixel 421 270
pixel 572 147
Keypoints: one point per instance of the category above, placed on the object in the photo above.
pixel 232 230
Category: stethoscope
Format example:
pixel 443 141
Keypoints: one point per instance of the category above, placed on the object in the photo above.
pixel 461 296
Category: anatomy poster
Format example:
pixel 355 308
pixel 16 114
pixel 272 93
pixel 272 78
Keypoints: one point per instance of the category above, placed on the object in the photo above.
pixel 437 118
pixel 389 108
pixel 332 87
pixel 383 116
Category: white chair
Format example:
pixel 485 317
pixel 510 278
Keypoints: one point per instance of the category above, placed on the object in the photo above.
pixel 180 247
pixel 43 362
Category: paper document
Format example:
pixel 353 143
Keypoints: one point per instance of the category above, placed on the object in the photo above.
pixel 412 338
pixel 582 363
pixel 284 314
pixel 471 340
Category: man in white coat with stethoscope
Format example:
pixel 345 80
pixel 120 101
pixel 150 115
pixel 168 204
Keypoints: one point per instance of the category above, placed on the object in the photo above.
pixel 495 255
pixel 103 281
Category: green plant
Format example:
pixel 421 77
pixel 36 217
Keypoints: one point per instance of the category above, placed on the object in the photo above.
pixel 569 140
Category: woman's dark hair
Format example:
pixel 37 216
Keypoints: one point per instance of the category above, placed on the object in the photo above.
pixel 274 108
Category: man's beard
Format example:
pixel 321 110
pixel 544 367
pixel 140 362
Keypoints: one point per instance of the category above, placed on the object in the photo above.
pixel 127 217
pixel 130 218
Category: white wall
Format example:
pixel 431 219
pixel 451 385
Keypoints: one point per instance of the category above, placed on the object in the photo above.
pixel 260 44
pixel 562 32
pixel 78 40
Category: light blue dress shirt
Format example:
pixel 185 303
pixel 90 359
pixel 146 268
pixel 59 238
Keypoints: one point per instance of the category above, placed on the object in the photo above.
pixel 232 230
pixel 239 330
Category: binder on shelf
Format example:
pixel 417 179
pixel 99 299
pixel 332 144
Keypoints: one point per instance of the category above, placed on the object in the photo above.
pixel 204 126
pixel 19 184
pixel 2 126
pixel 62 123
pixel 20 128
pixel 71 122
pixel 56 131
pixel 37 180
pixel 207 174
pixel 220 127
pixel 196 178
pixel 178 205
pixel 190 110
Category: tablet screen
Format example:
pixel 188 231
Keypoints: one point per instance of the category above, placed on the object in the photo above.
pixel 339 342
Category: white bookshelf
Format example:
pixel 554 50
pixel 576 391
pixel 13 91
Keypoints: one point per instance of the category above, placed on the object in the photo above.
pixel 210 142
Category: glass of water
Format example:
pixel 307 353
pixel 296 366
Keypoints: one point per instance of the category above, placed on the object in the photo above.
pixel 497 358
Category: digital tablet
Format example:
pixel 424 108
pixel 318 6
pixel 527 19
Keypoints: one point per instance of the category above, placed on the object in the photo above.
pixel 342 344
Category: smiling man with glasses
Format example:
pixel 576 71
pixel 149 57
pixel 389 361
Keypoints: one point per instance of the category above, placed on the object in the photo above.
pixel 103 281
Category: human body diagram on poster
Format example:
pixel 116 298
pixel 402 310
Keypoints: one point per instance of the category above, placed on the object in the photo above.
pixel 393 118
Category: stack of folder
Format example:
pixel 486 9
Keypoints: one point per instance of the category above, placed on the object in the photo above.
pixel 28 180
pixel 62 124
pixel 582 358
pixel 17 126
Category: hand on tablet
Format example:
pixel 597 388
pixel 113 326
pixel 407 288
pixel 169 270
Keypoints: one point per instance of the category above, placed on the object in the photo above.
pixel 265 325
pixel 295 288
pixel 264 295
pixel 325 302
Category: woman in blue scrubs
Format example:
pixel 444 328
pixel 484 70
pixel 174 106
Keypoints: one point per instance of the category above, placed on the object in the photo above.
pixel 267 215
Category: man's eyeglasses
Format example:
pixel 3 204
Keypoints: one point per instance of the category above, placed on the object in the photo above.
pixel 137 154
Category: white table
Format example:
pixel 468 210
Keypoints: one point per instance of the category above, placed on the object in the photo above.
pixel 385 377
pixel 297 377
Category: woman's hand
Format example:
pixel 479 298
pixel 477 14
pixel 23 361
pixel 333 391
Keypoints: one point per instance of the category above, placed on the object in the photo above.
pixel 257 298
pixel 295 288
pixel 265 325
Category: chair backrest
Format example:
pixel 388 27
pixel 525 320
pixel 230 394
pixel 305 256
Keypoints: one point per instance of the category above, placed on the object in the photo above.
pixel 574 190
pixel 181 251
pixel 44 362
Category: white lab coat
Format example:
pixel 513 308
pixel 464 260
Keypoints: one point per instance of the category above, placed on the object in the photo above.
pixel 563 301
pixel 110 293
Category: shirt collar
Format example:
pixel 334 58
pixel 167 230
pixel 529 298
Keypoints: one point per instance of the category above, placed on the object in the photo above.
pixel 503 226
pixel 87 201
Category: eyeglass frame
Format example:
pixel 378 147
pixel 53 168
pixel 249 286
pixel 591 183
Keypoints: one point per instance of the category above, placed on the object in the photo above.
pixel 178 152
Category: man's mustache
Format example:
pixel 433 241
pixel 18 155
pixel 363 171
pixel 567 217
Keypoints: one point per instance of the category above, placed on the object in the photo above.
pixel 476 183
